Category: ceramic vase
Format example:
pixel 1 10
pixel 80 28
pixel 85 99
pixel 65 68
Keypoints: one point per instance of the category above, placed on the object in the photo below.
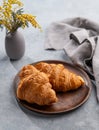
pixel 15 45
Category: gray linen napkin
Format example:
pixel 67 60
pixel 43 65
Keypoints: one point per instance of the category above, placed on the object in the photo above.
pixel 79 39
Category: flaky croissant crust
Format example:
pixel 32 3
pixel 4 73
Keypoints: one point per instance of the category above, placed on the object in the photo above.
pixel 62 79
pixel 34 87
pixel 39 83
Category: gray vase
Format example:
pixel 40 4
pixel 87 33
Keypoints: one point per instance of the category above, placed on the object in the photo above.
pixel 14 45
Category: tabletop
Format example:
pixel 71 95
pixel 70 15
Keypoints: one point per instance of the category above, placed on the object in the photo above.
pixel 12 117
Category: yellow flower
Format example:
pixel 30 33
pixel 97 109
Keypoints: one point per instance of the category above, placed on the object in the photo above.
pixel 8 12
pixel 4 4
pixel 12 17
pixel 15 2
pixel 0 22
pixel 4 22
pixel 28 18
pixel 0 8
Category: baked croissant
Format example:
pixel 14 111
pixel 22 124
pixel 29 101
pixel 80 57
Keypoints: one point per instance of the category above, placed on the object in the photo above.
pixel 27 70
pixel 62 79
pixel 36 89
pixel 45 67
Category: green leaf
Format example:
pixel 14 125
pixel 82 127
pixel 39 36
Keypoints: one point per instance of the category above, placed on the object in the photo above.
pixel 1 26
pixel 20 11
pixel 27 24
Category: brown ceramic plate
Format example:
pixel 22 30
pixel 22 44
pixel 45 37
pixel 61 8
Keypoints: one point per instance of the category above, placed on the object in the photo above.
pixel 66 101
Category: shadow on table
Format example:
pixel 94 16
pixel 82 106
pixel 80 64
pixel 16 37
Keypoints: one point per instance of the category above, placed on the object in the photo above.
pixel 49 116
pixel 18 64
pixel 4 58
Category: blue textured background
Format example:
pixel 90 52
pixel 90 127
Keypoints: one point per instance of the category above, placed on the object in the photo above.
pixel 11 116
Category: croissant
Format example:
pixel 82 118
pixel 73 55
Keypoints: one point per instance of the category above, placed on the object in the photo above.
pixel 27 70
pixel 36 89
pixel 62 79
pixel 45 67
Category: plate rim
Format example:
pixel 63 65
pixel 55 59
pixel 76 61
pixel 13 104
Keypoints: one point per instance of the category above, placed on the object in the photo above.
pixel 20 102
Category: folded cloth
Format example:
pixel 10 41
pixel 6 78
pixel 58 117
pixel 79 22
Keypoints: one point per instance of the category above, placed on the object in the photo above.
pixel 79 38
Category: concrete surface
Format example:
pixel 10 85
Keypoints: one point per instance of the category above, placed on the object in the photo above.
pixel 12 117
